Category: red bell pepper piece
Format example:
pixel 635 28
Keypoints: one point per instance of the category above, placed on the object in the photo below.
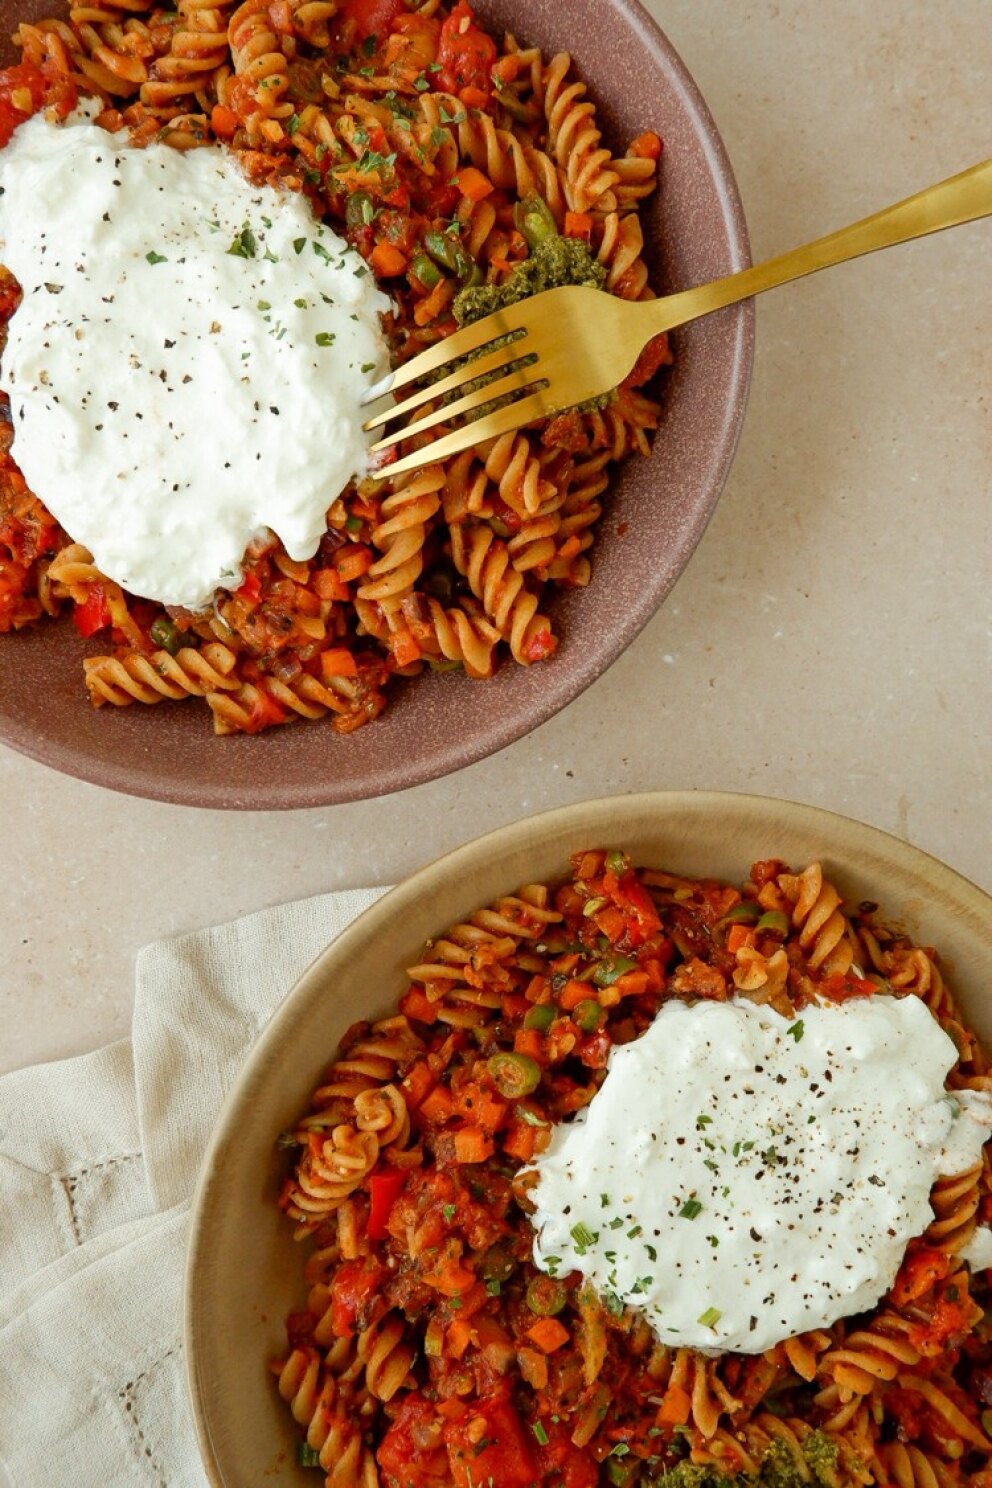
pixel 93 614
pixel 384 1188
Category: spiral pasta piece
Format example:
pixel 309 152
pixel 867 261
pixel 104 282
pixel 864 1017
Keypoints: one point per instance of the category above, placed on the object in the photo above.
pixel 198 55
pixel 406 512
pixel 258 58
pixel 133 677
pixel 511 462
pixel 816 907
pixel 955 1202
pixel 869 1355
pixel 575 140
pixel 387 1356
pixel 620 251
pixel 369 1060
pixel 485 561
pixel 384 1112
pixel 905 1465
pixel 332 1167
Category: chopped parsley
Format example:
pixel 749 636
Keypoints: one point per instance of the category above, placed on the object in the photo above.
pixel 156 258
pixel 244 245
pixel 796 1030
pixel 325 338
pixel 690 1209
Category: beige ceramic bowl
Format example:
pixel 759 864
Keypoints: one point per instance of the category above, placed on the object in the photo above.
pixel 244 1270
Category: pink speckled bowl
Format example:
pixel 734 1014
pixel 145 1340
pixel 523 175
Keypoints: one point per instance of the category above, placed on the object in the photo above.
pixel 656 512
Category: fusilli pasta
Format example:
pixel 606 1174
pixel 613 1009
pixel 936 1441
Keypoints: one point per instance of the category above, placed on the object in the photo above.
pixel 440 154
pixel 424 1292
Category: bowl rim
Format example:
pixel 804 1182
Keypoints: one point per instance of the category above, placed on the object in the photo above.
pixel 873 846
pixel 453 753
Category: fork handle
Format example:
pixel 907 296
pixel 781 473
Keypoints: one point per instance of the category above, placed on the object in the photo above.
pixel 961 198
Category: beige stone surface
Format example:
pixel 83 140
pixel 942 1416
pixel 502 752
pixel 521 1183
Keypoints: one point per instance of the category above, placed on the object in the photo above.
pixel 829 641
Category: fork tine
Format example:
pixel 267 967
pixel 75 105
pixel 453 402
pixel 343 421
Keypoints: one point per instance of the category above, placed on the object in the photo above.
pixel 514 382
pixel 496 361
pixel 523 411
pixel 500 323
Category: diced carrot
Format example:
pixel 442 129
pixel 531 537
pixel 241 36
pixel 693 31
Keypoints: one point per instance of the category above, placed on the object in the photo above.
pixel 473 98
pixel 655 973
pixel 738 936
pixel 529 1041
pixel 507 68
pixel 467 1099
pixel 632 983
pixel 338 662
pixel 473 1299
pixel 438 1106
pixel 472 1145
pixel 430 308
pixel 548 1334
pixel 491 1112
pixel 367 510
pixel 570 548
pixel 452 1410
pixel 223 121
pixel 327 583
pixel 588 864
pixel 533 1368
pixel 453 1279
pixel 353 562
pixel 473 184
pixel 612 922
pixel 646 146
pixel 457 1338
pixel 416 1004
pixel 417 1084
pixel 572 994
pixel 404 648
pixel 675 1407
pixel 519 1143
pixel 388 260
pixel 578 225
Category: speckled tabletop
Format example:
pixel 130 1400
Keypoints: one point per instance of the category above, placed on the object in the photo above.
pixel 830 639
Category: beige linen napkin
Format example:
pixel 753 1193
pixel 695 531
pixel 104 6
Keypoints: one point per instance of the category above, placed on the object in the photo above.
pixel 98 1162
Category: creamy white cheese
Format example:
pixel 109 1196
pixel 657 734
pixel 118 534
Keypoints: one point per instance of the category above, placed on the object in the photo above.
pixel 186 365
pixel 743 1178
pixel 978 1251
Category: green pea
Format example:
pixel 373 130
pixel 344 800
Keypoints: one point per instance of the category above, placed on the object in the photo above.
pixel 514 1075
pixel 540 1017
pixel 163 633
pixel 589 1016
pixel 497 1264
pixel 774 923
pixel 545 1296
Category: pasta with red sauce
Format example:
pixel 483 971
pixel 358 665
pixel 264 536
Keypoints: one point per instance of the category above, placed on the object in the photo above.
pixel 445 156
pixel 431 1350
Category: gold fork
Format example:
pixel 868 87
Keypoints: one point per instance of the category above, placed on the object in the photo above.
pixel 580 343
